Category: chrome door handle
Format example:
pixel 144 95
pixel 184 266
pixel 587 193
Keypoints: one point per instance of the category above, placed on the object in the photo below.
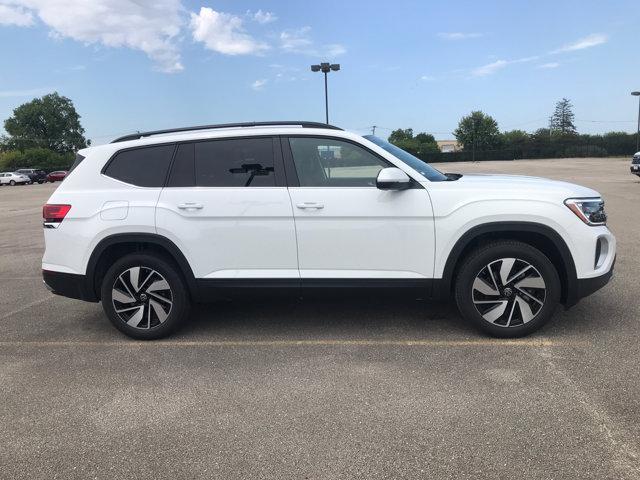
pixel 310 205
pixel 190 206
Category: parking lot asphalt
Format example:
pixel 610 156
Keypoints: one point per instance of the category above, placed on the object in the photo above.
pixel 321 389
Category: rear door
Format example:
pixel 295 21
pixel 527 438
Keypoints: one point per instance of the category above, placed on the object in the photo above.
pixel 226 206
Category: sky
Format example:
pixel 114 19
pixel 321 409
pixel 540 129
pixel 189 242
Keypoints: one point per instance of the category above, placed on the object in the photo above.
pixel 132 65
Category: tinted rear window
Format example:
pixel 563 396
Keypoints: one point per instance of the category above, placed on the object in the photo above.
pixel 182 172
pixel 246 162
pixel 144 167
pixel 79 158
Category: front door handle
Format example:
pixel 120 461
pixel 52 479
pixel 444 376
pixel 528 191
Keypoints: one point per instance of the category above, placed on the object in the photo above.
pixel 310 205
pixel 190 206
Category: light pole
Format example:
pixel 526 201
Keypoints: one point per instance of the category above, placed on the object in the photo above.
pixel 637 94
pixel 326 68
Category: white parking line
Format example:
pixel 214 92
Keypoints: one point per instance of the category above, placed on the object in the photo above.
pixel 24 307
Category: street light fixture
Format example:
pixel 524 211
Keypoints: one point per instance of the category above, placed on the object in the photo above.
pixel 637 94
pixel 326 68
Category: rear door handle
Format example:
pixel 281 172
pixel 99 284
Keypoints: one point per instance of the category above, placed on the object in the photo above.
pixel 310 205
pixel 190 206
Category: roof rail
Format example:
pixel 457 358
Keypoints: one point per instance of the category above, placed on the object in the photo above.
pixel 136 136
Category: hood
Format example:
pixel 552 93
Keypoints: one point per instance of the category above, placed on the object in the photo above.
pixel 526 186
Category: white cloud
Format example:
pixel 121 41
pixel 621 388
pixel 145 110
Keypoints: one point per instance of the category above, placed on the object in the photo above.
pixel 586 42
pixel 259 84
pixel 459 35
pixel 295 40
pixel 223 33
pixel 427 78
pixel 334 49
pixel 549 65
pixel 147 25
pixel 299 41
pixel 526 59
pixel 489 68
pixel 15 15
pixel 263 17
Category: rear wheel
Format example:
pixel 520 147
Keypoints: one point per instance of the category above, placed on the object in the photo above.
pixel 507 289
pixel 144 296
pixel 12 183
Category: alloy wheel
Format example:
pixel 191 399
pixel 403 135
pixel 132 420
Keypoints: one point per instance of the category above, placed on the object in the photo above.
pixel 142 297
pixel 509 292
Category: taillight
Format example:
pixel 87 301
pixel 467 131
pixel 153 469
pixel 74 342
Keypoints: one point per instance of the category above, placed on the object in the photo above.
pixel 55 213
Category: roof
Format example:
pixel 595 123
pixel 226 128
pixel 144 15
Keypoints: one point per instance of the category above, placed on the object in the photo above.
pixel 231 126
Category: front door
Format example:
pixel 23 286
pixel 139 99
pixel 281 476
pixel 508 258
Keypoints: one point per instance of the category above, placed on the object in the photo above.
pixel 347 229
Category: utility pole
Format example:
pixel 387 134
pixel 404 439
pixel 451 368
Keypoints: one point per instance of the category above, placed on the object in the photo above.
pixel 373 129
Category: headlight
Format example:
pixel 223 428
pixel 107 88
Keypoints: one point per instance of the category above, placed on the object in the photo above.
pixel 589 210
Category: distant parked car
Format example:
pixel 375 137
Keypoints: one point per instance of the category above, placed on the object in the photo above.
pixel 56 176
pixel 635 164
pixel 13 178
pixel 34 175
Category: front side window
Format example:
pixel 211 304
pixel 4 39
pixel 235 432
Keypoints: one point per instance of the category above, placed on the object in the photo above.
pixel 143 167
pixel 328 162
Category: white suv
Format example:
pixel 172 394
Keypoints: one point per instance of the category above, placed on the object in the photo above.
pixel 154 221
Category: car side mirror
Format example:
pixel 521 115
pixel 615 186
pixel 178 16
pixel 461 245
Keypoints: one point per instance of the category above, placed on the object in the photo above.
pixel 392 179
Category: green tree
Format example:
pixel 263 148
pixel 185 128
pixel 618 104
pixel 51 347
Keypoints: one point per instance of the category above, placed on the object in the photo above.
pixel 400 135
pixel 514 138
pixel 36 158
pixel 562 119
pixel 478 130
pixel 417 145
pixel 48 122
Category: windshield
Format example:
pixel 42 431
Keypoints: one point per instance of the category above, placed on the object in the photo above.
pixel 426 170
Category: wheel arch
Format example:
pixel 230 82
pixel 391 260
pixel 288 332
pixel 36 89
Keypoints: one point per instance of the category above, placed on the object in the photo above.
pixel 540 236
pixel 117 245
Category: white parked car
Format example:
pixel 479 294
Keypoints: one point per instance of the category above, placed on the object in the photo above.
pixel 13 178
pixel 154 221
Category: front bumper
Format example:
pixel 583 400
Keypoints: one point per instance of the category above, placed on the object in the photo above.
pixel 586 286
pixel 69 285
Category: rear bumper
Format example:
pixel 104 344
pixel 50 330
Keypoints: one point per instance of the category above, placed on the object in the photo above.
pixel 69 285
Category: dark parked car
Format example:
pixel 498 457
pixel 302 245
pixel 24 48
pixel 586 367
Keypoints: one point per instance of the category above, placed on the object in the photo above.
pixel 635 164
pixel 56 176
pixel 34 175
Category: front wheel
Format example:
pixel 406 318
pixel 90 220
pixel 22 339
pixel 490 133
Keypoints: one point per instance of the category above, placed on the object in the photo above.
pixel 507 289
pixel 144 296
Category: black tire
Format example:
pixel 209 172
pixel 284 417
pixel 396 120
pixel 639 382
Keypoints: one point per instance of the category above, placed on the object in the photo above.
pixel 12 183
pixel 517 320
pixel 151 326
